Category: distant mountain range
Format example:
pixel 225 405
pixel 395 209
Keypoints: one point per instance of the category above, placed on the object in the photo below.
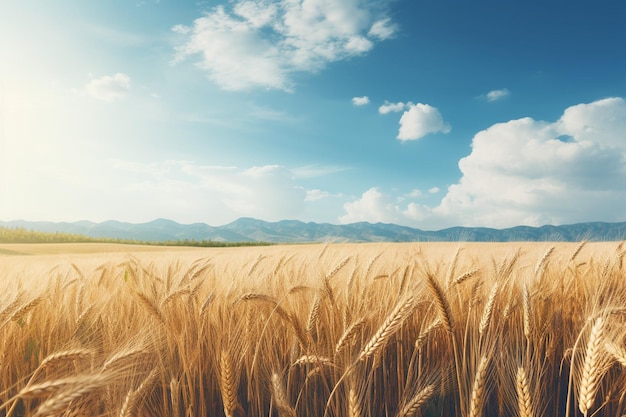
pixel 293 231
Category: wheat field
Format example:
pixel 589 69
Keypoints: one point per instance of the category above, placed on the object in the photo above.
pixel 420 329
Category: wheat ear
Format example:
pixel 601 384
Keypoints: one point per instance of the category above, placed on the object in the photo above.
pixel 413 406
pixel 228 384
pixel 354 403
pixel 388 328
pixel 83 386
pixel 349 334
pixel 338 267
pixel 314 316
pixel 523 394
pixel 60 357
pixel 577 251
pixel 591 368
pixel 280 398
pixel 488 312
pixel 542 262
pixel 462 278
pixel 443 306
pixel 478 389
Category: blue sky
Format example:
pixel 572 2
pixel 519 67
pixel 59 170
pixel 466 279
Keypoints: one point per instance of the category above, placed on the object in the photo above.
pixel 418 112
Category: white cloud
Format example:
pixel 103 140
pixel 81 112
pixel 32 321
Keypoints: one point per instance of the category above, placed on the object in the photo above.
pixel 262 43
pixel 360 101
pixel 526 172
pixel 109 87
pixel 523 172
pixel 315 195
pixel 414 193
pixel 383 29
pixel 434 190
pixel 420 120
pixel 221 193
pixel 495 95
pixel 373 207
pixel 392 107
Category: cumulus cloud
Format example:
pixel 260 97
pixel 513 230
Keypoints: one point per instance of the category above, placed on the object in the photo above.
pixel 526 172
pixel 262 43
pixel 420 120
pixel 360 101
pixel 495 95
pixel 109 87
pixel 373 206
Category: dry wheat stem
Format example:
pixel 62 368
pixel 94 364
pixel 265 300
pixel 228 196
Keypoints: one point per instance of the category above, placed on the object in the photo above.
pixel 527 307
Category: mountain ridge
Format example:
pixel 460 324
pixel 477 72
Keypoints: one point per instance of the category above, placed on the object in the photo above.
pixel 248 229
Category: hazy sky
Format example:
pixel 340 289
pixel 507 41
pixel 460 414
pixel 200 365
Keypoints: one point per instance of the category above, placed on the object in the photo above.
pixel 428 113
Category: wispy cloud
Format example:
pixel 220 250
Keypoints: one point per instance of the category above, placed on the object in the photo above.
pixel 109 87
pixel 259 43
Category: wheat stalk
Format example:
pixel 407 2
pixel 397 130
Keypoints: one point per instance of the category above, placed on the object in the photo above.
pixel 527 310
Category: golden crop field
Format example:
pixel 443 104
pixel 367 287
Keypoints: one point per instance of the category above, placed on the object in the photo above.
pixel 420 329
